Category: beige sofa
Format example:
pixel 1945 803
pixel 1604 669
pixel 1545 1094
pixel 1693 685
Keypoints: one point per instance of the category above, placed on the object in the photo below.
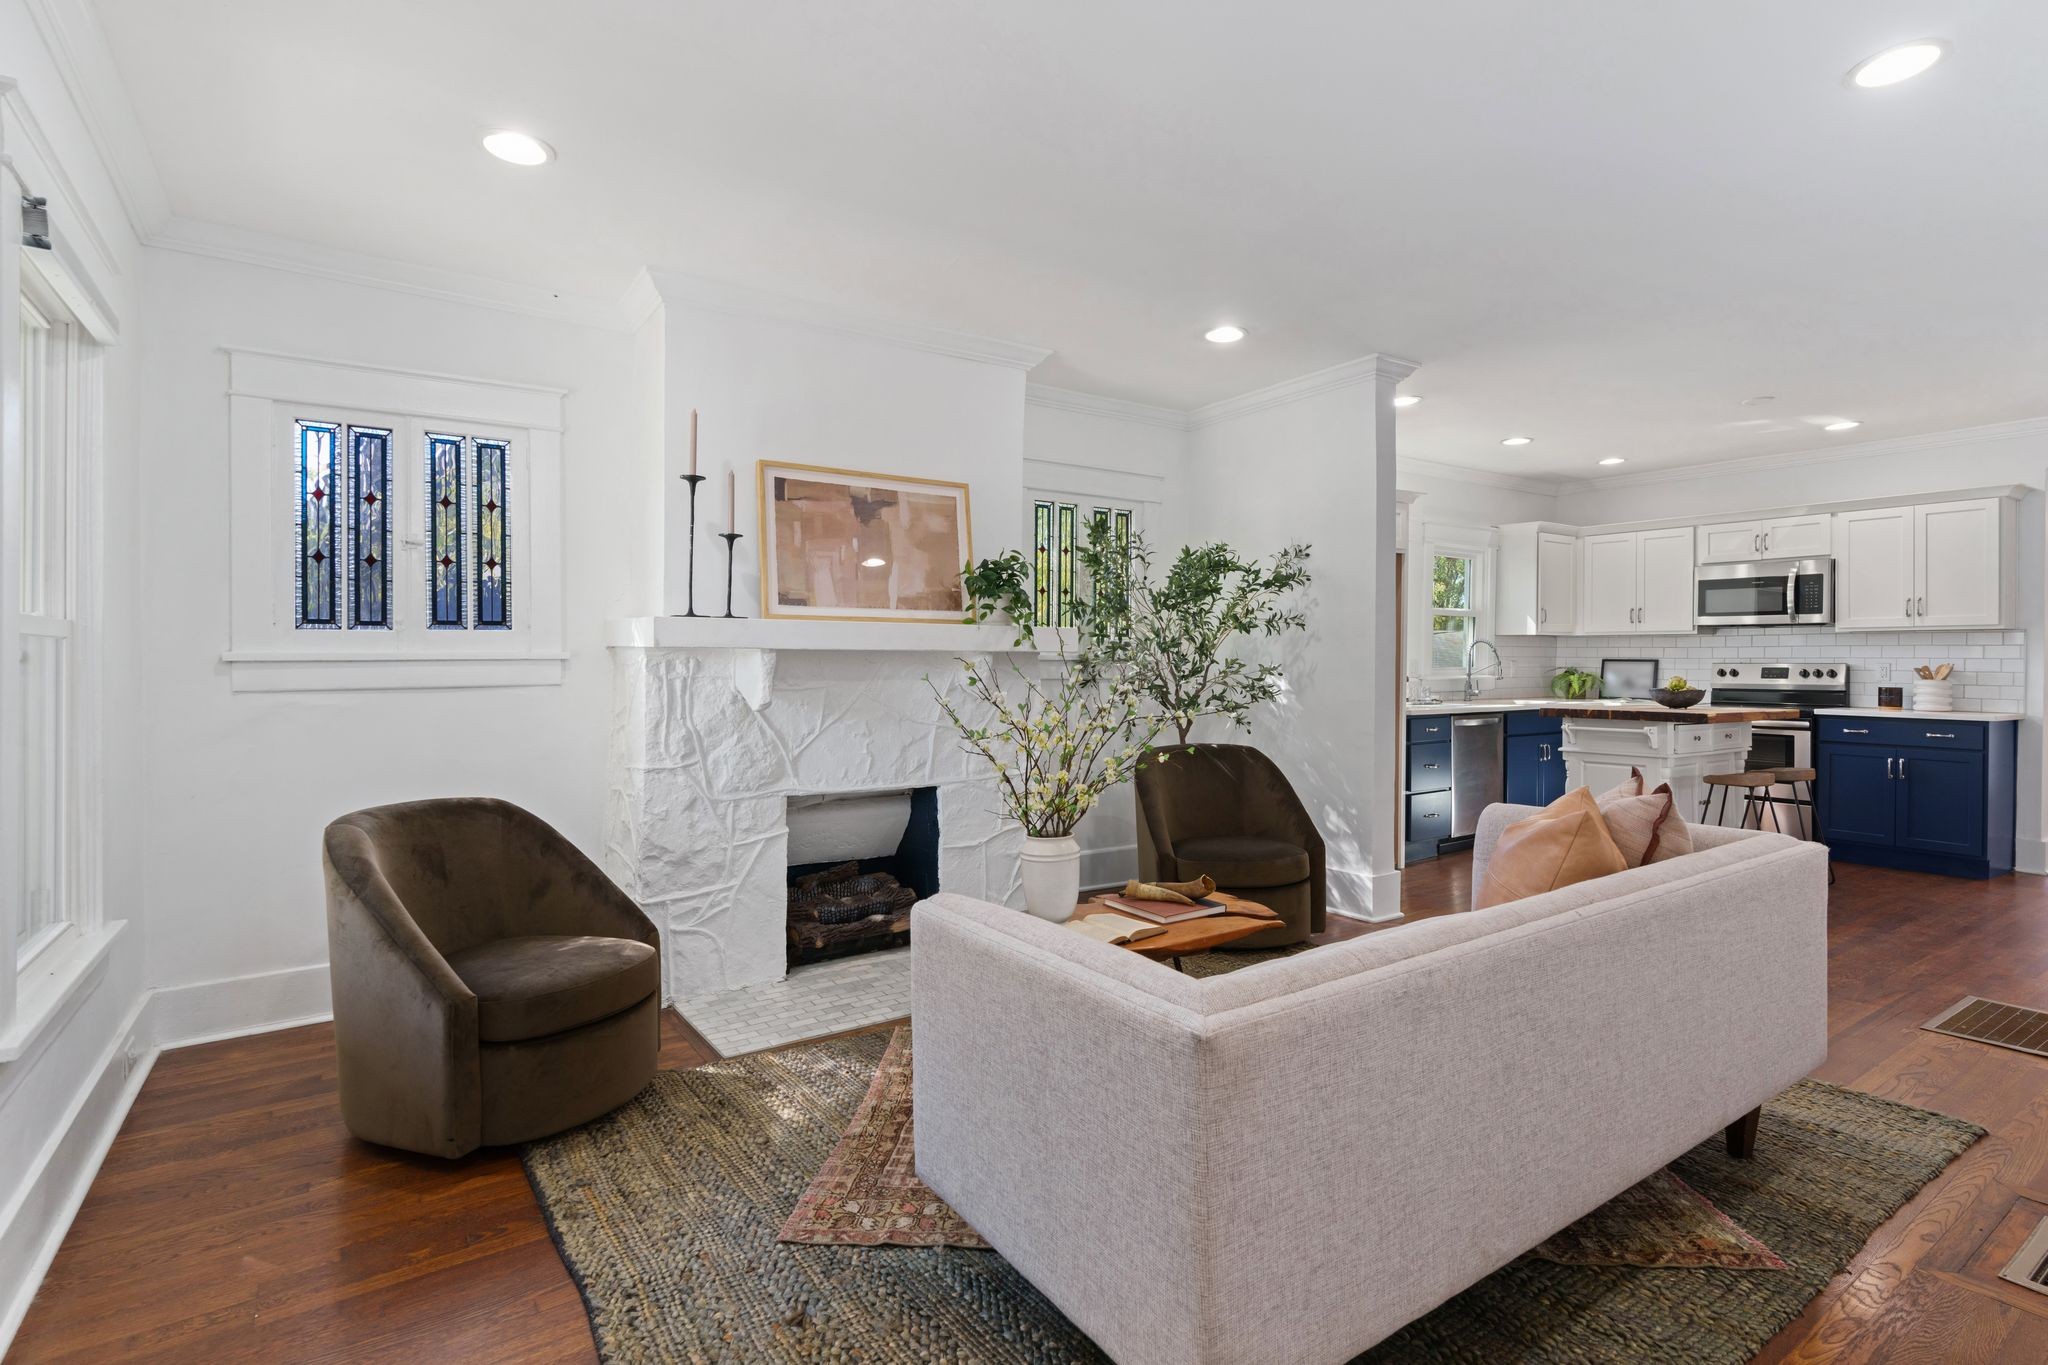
pixel 1289 1162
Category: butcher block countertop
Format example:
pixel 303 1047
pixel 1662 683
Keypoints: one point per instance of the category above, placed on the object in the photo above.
pixel 1637 712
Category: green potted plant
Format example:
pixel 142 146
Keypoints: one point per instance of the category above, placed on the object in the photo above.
pixel 1176 634
pixel 1575 684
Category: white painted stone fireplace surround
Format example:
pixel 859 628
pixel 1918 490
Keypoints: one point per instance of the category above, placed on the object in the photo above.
pixel 716 724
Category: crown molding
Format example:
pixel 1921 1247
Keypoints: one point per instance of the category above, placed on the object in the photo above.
pixel 1520 483
pixel 1095 405
pixel 1833 454
pixel 245 247
pixel 85 63
pixel 712 296
pixel 1366 369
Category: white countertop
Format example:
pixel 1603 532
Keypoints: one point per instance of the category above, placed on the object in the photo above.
pixel 1503 704
pixel 1894 713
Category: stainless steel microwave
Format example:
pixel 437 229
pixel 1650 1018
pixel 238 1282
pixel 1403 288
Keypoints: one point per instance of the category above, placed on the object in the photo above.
pixel 1772 592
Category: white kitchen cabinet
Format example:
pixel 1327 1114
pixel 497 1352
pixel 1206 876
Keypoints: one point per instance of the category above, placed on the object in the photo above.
pixel 1537 592
pixel 1664 564
pixel 1789 537
pixel 1931 566
pixel 1609 573
pixel 1638 582
pixel 1958 557
pixel 1874 569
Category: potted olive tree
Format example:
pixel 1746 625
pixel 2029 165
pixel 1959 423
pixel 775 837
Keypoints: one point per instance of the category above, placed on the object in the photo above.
pixel 1056 744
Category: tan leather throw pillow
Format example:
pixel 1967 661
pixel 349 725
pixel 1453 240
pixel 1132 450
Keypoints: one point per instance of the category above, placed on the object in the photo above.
pixel 1566 842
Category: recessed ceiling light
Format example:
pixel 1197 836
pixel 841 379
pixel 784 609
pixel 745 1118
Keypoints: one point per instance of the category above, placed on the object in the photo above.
pixel 1518 440
pixel 521 149
pixel 1844 425
pixel 1896 64
pixel 1407 400
pixel 1225 334
pixel 1614 459
pixel 873 562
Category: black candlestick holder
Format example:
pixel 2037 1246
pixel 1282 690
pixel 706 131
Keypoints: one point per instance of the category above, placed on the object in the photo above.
pixel 693 480
pixel 731 539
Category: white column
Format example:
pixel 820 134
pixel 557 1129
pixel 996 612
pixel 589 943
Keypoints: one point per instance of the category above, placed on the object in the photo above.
pixel 1382 739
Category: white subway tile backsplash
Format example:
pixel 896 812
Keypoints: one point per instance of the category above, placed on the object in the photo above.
pixel 1990 665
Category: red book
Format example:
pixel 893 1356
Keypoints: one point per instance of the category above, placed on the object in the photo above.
pixel 1165 912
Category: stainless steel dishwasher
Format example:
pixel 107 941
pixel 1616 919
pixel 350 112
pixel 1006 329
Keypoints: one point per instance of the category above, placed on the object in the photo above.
pixel 1476 764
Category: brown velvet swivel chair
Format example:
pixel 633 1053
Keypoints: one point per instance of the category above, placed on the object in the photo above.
pixel 1228 811
pixel 491 985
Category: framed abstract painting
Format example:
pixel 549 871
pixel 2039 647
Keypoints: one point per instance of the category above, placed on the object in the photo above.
pixel 841 545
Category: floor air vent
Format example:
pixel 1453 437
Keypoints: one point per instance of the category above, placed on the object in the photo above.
pixel 1991 1021
pixel 2029 1267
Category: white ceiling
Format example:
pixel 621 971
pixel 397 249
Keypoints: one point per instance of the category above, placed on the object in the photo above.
pixel 1601 223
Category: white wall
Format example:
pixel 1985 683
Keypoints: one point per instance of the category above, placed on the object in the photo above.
pixel 1448 497
pixel 771 388
pixel 1312 461
pixel 1127 456
pixel 240 785
pixel 61 1101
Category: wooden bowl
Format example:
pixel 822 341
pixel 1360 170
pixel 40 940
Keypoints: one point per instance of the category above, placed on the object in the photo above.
pixel 1678 701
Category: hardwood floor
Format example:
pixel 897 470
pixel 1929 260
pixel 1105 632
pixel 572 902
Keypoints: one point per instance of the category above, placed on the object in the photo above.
pixel 235 1220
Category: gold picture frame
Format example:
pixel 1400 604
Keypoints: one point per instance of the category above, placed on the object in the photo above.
pixel 852 545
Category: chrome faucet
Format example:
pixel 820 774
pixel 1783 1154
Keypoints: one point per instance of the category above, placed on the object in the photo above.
pixel 1499 669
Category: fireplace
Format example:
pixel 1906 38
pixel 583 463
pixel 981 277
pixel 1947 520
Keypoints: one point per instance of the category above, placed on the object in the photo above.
pixel 715 748
pixel 857 863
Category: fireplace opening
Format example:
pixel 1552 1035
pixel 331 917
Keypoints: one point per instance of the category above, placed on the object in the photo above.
pixel 857 863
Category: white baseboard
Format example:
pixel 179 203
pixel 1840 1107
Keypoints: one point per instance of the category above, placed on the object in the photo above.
pixel 33 1228
pixel 1363 894
pixel 237 1006
pixel 2030 855
pixel 1111 866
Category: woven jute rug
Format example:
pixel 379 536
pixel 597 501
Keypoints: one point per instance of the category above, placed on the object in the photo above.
pixel 668 1211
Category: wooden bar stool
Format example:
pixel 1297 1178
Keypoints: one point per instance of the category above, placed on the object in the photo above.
pixel 1749 783
pixel 1809 814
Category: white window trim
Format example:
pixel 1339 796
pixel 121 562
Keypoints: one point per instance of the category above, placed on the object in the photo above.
pixel 267 390
pixel 1477 543
pixel 40 991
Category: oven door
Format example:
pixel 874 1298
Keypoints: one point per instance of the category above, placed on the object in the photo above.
pixel 1773 593
pixel 1781 744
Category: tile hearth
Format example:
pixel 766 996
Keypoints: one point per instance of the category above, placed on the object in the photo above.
pixel 826 997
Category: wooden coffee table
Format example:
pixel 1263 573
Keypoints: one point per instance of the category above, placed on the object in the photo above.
pixel 1240 919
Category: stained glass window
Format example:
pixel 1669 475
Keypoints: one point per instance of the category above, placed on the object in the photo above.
pixel 444 538
pixel 370 544
pixel 315 572
pixel 1055 557
pixel 493 581
pixel 1041 564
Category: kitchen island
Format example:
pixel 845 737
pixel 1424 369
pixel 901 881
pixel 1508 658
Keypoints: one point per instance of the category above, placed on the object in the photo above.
pixel 1604 739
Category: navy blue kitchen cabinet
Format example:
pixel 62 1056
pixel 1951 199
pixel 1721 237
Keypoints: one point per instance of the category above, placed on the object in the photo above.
pixel 1534 759
pixel 1927 794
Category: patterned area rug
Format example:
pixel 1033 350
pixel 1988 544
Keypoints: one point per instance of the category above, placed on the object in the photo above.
pixel 868 1194
pixel 667 1213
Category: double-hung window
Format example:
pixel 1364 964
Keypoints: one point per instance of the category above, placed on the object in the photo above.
pixel 1453 602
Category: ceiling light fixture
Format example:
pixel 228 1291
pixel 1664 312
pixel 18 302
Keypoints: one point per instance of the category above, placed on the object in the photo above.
pixel 1518 440
pixel 1224 334
pixel 521 149
pixel 1614 459
pixel 873 562
pixel 1407 400
pixel 1844 425
pixel 1896 64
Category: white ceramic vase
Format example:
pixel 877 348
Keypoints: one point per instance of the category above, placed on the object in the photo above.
pixel 1052 876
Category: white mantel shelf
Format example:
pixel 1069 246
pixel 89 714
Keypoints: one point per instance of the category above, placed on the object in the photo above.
pixel 892 637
